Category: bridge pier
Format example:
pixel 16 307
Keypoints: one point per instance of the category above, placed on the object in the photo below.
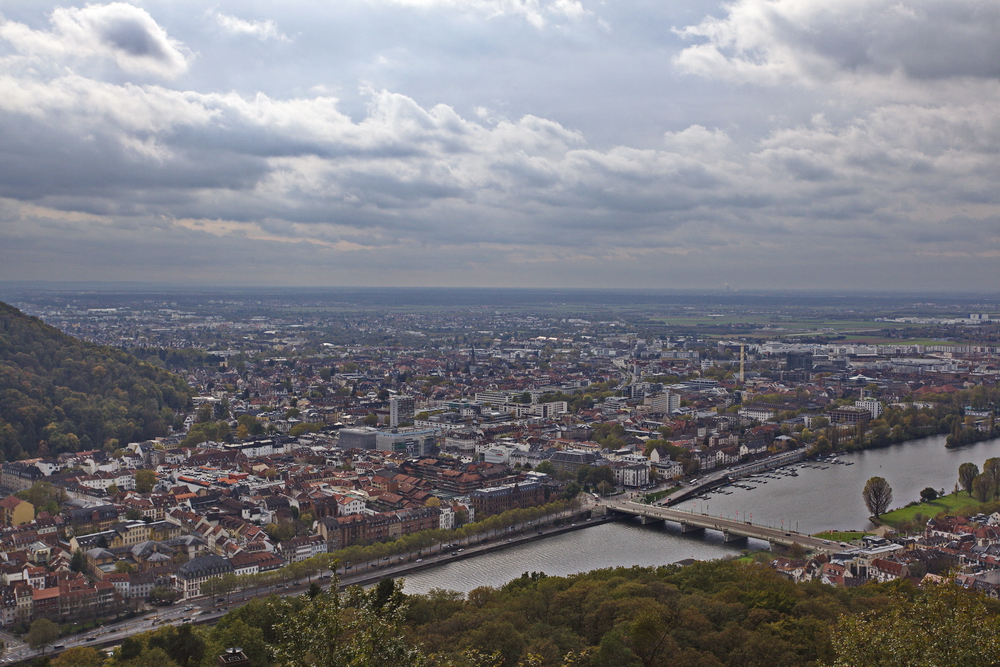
pixel 648 519
pixel 728 537
pixel 689 528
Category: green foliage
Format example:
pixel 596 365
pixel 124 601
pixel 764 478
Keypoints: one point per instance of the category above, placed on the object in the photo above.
pixel 967 473
pixel 547 468
pixel 204 431
pixel 145 480
pixel 78 656
pixel 59 394
pixel 710 613
pixel 716 613
pixel 304 427
pixel 939 627
pixel 41 633
pixel 45 496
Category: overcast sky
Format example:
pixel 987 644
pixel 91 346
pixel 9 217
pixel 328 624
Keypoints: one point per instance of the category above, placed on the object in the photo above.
pixel 629 143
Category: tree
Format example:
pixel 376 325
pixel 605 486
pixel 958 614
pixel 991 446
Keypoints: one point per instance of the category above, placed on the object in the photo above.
pixel 982 488
pixel 76 563
pixel 145 480
pixel 940 627
pixel 356 628
pixel 546 467
pixel 78 656
pixel 41 633
pixel 991 468
pixel 928 495
pixel 371 419
pixel 163 595
pixel 877 495
pixel 967 473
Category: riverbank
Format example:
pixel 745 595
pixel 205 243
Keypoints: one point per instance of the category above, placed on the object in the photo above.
pixel 577 521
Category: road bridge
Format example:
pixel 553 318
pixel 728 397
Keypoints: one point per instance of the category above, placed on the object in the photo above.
pixel 731 529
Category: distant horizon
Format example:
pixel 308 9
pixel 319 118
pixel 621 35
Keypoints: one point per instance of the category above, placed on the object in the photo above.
pixel 63 285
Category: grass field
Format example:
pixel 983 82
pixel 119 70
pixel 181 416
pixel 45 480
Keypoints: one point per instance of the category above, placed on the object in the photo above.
pixel 951 504
pixel 658 495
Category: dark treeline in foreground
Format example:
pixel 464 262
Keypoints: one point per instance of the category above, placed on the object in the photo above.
pixel 711 614
pixel 59 394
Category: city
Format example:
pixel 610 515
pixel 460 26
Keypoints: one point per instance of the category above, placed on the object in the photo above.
pixel 300 452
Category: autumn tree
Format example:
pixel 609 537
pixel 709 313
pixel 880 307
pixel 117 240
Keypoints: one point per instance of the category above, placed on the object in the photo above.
pixel 877 495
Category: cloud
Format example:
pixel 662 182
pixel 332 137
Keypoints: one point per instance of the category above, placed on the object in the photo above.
pixel 909 43
pixel 262 30
pixel 392 179
pixel 536 12
pixel 120 32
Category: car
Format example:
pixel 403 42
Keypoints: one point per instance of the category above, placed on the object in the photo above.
pixel 58 647
pixel 454 553
pixel 90 639
pixel 460 550
pixel 385 558
pixel 420 560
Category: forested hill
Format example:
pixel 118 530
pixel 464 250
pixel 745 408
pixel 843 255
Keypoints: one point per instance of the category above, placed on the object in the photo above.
pixel 60 394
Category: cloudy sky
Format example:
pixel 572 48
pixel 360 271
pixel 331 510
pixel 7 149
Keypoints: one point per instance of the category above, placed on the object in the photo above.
pixel 621 143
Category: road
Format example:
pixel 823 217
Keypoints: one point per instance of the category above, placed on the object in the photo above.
pixel 729 527
pixel 204 610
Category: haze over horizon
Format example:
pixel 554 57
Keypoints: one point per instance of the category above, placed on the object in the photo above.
pixel 762 144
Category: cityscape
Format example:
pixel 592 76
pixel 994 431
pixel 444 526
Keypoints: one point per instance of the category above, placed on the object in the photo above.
pixel 499 333
pixel 360 436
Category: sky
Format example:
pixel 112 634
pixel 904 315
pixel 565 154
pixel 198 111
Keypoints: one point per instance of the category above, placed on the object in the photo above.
pixel 765 144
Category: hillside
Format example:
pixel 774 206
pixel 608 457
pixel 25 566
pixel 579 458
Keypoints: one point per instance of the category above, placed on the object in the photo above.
pixel 60 394
pixel 715 614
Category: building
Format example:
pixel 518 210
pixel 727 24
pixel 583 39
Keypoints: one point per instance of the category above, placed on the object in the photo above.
pixel 664 402
pixel 632 475
pixel 17 476
pixel 415 442
pixel 401 411
pixel 192 574
pixel 498 499
pixel 358 438
pixel 14 511
pixel 848 414
pixel 571 460
pixel 871 405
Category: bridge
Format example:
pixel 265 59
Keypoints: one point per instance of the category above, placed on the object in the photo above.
pixel 731 529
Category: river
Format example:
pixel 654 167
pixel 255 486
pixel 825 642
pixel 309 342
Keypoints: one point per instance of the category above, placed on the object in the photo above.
pixel 818 499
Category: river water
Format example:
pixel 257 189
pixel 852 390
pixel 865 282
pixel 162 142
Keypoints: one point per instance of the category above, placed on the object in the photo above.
pixel 818 499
